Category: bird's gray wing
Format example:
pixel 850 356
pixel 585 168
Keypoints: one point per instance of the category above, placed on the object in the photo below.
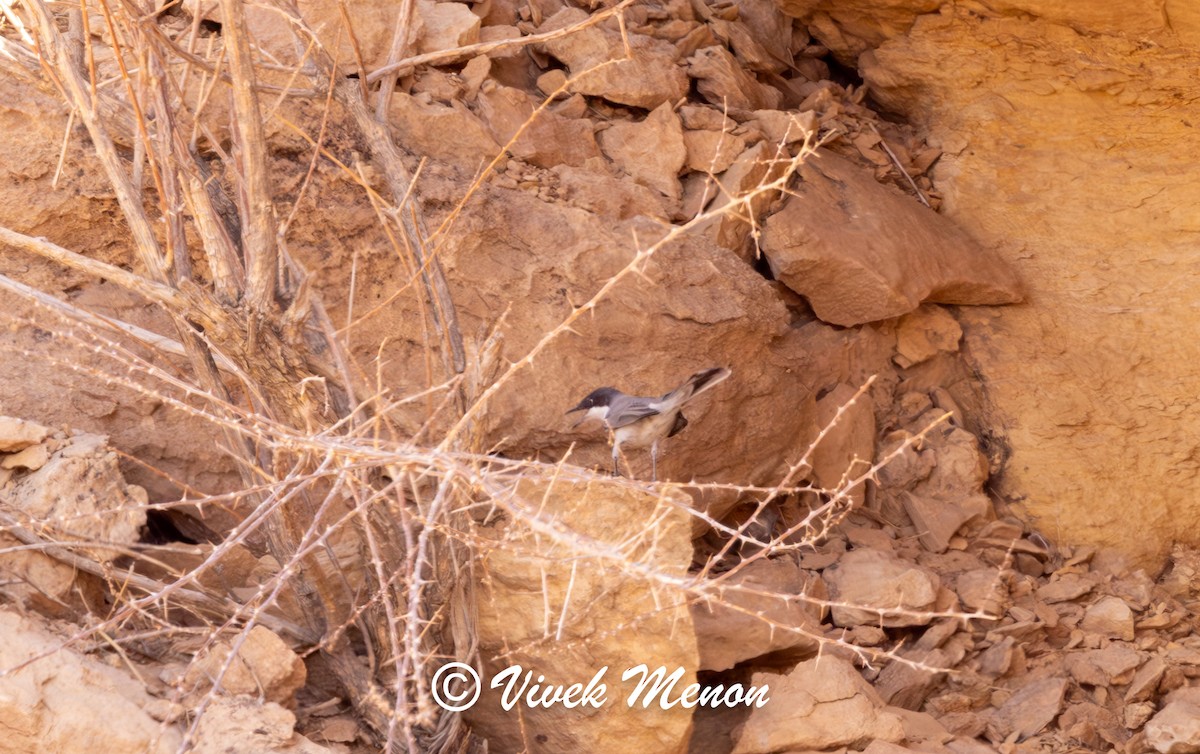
pixel 628 409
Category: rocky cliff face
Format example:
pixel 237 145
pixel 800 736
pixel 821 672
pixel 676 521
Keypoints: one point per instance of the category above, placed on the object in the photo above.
pixel 1070 139
pixel 1063 141
pixel 944 249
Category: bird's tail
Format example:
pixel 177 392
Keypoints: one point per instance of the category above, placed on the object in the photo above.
pixel 696 384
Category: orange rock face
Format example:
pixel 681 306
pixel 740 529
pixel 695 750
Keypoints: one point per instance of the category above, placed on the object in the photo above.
pixel 1071 149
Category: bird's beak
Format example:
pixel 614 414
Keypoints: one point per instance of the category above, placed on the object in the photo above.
pixel 578 421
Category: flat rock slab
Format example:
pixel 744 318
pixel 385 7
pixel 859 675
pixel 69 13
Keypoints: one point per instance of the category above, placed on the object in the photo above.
pixel 1114 665
pixel 1029 710
pixel 821 704
pixel 869 587
pixel 18 434
pixel 1110 617
pixel 861 252
pixel 652 151
pixel 748 621
pixel 1175 729
pixel 647 79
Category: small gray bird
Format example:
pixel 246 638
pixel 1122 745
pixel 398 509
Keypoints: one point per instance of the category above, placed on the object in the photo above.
pixel 641 422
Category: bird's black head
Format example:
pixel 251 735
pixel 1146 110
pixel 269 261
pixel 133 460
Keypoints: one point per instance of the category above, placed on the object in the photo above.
pixel 601 396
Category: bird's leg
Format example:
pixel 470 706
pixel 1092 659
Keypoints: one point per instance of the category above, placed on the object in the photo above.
pixel 654 461
pixel 616 452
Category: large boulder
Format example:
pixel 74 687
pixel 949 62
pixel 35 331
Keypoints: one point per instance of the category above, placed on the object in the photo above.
pixel 577 577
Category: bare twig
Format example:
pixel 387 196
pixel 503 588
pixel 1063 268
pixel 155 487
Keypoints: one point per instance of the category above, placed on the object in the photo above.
pixel 259 243
pixel 903 172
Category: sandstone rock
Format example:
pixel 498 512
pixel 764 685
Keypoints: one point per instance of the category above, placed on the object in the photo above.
pixel 548 140
pixel 652 151
pixel 924 333
pixel 1093 726
pixel 473 74
pixel 749 621
pixel 1145 680
pixel 371 24
pixel 869 538
pixel 938 520
pixel 898 591
pixel 551 81
pixel 452 133
pixel 500 33
pixel 79 494
pixel 264 666
pixel 725 84
pixel 445 26
pixel 922 731
pixel 245 724
pixel 609 196
pixel 712 151
pixel 846 452
pixel 561 607
pixel 771 30
pixel 784 127
pixel 907 467
pixel 1098 17
pixel 31 459
pixel 943 400
pixel 1158 620
pixel 706 118
pixel 18 434
pixel 905 686
pixel 699 190
pixel 1135 715
pixel 1114 665
pixel 1111 617
pixel 752 168
pixel 959 721
pixel 343 729
pixel 1070 586
pixel 436 85
pixel 982 589
pixel 996 661
pixel 946 481
pixel 1105 419
pixel 69 703
pixel 866 636
pixel 860 251
pixel 850 28
pixel 1029 710
pixel 959 469
pixel 575 106
pixel 647 80
pixel 1137 589
pixel 750 54
pixel 820 704
pixel 969 746
pixel 1181 579
pixel 1175 729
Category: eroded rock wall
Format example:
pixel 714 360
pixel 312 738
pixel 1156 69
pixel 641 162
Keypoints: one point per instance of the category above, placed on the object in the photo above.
pixel 1070 141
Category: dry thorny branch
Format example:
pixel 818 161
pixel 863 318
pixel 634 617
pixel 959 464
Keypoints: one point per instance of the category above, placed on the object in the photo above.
pixel 376 536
